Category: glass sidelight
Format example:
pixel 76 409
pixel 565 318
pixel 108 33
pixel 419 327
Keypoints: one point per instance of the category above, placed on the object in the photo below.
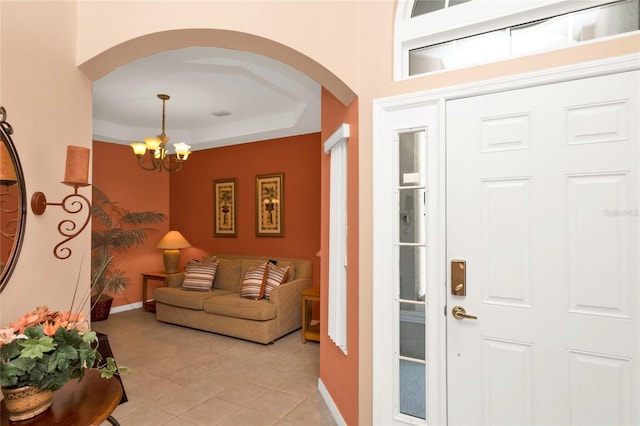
pixel 411 362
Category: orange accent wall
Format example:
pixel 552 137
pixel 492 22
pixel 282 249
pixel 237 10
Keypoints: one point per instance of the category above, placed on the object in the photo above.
pixel 191 205
pixel 117 174
pixel 339 372
pixel 186 198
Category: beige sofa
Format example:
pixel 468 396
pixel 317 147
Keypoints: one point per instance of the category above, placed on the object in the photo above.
pixel 223 311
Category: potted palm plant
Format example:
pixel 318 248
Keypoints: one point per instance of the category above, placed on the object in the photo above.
pixel 115 230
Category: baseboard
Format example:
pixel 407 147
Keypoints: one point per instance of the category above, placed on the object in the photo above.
pixel 335 413
pixel 123 308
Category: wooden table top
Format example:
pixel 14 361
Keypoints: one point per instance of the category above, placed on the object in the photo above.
pixel 87 403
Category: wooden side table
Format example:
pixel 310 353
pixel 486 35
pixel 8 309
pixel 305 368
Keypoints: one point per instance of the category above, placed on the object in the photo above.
pixel 89 402
pixel 309 331
pixel 150 304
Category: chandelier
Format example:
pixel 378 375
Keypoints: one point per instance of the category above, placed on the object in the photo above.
pixel 159 157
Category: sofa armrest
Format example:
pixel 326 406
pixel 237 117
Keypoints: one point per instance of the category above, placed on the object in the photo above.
pixel 175 280
pixel 288 301
pixel 289 293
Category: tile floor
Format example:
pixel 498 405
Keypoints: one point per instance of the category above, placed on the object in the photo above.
pixel 187 377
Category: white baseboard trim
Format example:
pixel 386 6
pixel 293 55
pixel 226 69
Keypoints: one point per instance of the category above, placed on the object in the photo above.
pixel 123 308
pixel 335 413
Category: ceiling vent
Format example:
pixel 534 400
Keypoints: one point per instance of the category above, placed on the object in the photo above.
pixel 220 113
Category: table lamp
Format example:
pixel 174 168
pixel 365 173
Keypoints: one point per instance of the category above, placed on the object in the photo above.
pixel 172 242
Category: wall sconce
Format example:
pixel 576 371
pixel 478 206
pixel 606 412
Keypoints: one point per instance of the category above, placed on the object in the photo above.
pixel 76 175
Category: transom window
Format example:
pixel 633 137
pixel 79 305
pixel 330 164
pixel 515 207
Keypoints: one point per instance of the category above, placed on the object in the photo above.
pixel 420 7
pixel 447 34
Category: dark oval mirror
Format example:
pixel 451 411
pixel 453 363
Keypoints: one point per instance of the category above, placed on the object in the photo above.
pixel 13 207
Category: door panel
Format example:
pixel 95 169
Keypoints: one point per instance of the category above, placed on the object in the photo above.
pixel 542 203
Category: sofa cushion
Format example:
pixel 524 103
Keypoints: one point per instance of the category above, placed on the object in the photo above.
pixel 253 282
pixel 232 305
pixel 185 299
pixel 228 275
pixel 275 277
pixel 199 276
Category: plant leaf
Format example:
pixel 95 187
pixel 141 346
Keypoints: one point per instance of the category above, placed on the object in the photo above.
pixel 36 348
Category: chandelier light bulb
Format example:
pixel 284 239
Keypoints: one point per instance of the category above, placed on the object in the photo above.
pixel 182 150
pixel 152 143
pixel 139 148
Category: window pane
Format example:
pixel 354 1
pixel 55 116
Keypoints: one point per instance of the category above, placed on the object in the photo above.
pixel 412 158
pixel 412 273
pixel 412 389
pixel 412 331
pixel 412 215
pixel 605 21
pixel 456 2
pixel 432 58
pixel 482 48
pixel 420 7
pixel 544 35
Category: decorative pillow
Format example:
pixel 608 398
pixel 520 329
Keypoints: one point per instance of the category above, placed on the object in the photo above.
pixel 199 276
pixel 275 277
pixel 253 282
pixel 209 260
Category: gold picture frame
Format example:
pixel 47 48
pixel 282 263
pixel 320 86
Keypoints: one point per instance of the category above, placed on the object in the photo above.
pixel 270 205
pixel 225 207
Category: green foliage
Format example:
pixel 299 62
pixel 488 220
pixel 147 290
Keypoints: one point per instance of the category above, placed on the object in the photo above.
pixel 116 230
pixel 49 362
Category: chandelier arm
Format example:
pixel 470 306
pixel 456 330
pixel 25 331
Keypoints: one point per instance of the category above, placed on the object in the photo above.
pixel 154 163
pixel 167 165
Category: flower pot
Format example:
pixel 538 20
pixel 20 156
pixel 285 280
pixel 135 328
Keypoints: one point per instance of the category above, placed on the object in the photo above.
pixel 101 307
pixel 26 402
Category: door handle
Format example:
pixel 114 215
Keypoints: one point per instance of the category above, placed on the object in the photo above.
pixel 459 313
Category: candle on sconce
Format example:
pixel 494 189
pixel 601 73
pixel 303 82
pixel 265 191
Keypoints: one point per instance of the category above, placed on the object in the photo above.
pixel 77 169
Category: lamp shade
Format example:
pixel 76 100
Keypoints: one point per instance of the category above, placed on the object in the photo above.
pixel 173 240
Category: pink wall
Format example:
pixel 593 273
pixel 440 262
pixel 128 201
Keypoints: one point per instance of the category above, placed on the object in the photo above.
pixel 339 372
pixel 191 210
pixel 116 173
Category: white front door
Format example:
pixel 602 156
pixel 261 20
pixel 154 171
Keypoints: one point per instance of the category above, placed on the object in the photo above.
pixel 542 203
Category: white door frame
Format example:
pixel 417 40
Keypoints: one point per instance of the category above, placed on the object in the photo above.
pixel 427 110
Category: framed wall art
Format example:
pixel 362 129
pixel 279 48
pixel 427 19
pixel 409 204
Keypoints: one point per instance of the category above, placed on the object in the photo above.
pixel 270 205
pixel 225 208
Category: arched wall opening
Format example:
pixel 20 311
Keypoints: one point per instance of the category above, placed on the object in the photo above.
pixel 136 48
pixel 338 374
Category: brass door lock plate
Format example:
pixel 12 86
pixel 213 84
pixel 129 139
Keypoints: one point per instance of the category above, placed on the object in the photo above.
pixel 458 277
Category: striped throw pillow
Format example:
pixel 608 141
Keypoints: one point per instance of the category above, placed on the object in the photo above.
pixel 199 276
pixel 253 282
pixel 275 277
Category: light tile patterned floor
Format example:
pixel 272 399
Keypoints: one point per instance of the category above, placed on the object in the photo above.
pixel 187 377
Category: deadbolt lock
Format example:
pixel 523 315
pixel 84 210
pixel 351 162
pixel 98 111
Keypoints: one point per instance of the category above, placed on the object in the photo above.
pixel 458 277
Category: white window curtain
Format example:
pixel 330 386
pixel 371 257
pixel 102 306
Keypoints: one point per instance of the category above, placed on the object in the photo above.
pixel 336 145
